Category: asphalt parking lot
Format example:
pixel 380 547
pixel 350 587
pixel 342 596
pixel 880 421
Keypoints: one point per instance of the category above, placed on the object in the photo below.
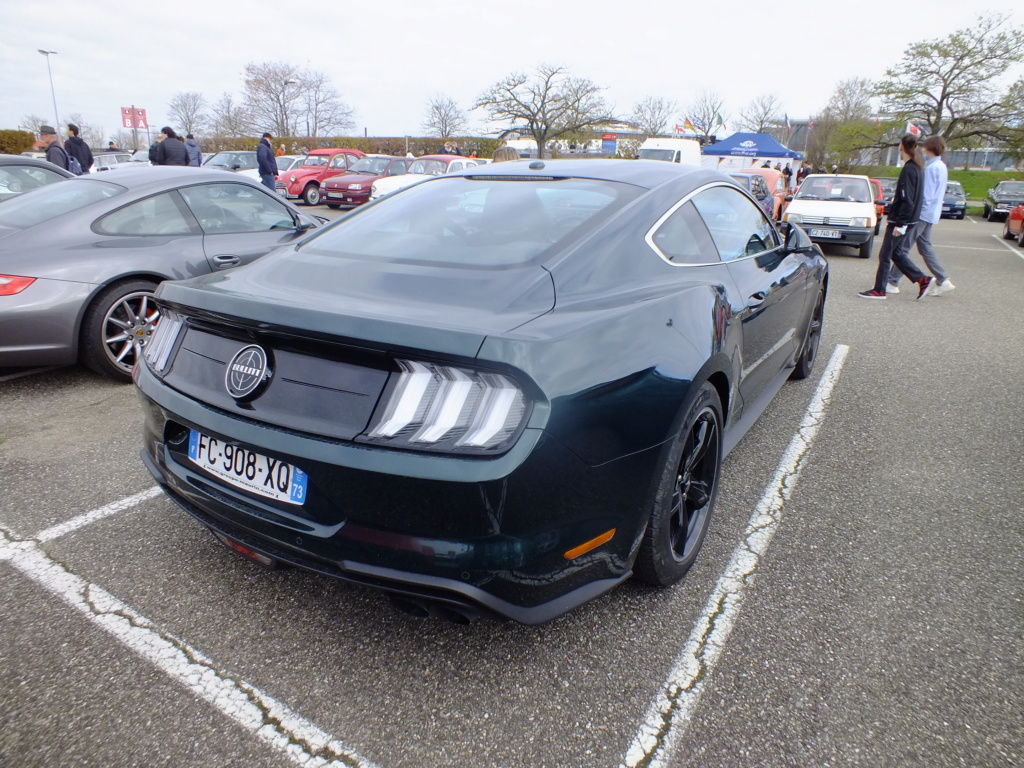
pixel 858 600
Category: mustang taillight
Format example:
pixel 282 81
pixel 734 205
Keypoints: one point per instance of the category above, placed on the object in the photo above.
pixel 12 284
pixel 444 408
pixel 158 349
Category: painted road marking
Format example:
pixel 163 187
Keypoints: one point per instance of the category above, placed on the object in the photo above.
pixel 258 713
pixel 49 534
pixel 1016 251
pixel 670 712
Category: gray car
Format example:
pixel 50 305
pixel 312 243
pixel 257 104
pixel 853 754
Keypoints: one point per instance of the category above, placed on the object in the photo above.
pixel 20 174
pixel 80 260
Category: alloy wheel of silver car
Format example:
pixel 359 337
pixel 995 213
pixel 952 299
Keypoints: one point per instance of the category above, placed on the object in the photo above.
pixel 117 327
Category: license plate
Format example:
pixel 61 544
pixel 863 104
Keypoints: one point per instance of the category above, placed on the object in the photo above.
pixel 282 192
pixel 826 233
pixel 946 208
pixel 247 469
pixel 335 194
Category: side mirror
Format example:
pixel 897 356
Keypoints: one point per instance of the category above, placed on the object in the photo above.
pixel 789 198
pixel 968 194
pixel 879 201
pixel 235 167
pixel 796 240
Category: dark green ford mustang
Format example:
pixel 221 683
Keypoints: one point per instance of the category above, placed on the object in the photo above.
pixel 499 393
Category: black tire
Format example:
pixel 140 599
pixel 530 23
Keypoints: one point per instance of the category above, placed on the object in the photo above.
pixel 311 194
pixel 864 251
pixel 878 226
pixel 985 212
pixel 1007 234
pixel 812 338
pixel 685 494
pixel 117 326
pixel 1020 236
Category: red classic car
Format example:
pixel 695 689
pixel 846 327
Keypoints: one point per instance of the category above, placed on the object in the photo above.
pixel 1013 229
pixel 876 187
pixel 304 180
pixel 352 188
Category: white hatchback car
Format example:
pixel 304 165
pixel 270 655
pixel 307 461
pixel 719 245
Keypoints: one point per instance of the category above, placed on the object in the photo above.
pixel 421 169
pixel 837 209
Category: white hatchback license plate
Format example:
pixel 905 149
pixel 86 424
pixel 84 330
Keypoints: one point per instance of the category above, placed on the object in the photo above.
pixel 248 470
pixel 826 233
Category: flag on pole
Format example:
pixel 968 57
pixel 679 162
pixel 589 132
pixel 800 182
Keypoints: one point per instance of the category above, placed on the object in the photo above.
pixel 679 129
pixel 789 128
pixel 810 125
pixel 687 125
pixel 718 120
pixel 911 128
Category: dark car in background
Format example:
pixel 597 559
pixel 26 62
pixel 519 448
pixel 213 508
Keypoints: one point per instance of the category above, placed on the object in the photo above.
pixel 503 391
pixel 353 187
pixel 1002 198
pixel 954 202
pixel 80 260
pixel 20 174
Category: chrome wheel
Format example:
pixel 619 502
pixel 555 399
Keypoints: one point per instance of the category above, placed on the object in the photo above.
pixel 117 327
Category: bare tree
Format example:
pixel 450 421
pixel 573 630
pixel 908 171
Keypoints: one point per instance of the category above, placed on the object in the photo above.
pixel 229 119
pixel 550 103
pixel 444 118
pixel 187 110
pixel 851 100
pixel 762 114
pixel 272 98
pixel 31 123
pixel 948 85
pixel 652 114
pixel 124 140
pixel 705 113
pixel 325 113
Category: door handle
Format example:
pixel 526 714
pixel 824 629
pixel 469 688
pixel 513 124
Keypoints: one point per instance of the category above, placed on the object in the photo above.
pixel 225 260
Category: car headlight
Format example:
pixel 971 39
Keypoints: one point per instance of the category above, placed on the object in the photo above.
pixel 158 349
pixel 859 221
pixel 443 408
pixel 291 179
pixel 793 218
pixel 355 186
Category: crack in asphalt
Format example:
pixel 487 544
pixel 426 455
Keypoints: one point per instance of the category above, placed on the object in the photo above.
pixel 669 714
pixel 269 719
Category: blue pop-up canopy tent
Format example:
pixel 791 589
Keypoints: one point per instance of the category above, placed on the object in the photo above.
pixel 750 145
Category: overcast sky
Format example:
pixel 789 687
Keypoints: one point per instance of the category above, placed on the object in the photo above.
pixel 386 58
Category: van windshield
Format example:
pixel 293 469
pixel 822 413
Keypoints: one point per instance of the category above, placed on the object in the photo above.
pixel 656 154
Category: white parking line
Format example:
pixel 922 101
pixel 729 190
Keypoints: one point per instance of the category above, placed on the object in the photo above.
pixel 256 712
pixel 670 712
pixel 49 534
pixel 1016 251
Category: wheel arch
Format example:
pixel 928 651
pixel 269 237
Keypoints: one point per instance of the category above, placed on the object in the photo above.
pixel 100 288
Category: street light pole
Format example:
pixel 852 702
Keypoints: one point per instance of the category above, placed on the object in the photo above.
pixel 284 103
pixel 52 92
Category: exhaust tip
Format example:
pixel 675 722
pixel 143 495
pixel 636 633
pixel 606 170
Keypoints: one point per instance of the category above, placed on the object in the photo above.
pixel 423 609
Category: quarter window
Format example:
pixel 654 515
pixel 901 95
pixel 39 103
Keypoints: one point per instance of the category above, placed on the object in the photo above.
pixel 682 238
pixel 231 208
pixel 156 215
pixel 738 227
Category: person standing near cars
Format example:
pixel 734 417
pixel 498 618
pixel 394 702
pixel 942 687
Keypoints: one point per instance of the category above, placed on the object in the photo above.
pixel 77 148
pixel 195 154
pixel 54 151
pixel 936 176
pixel 170 150
pixel 266 163
pixel 904 212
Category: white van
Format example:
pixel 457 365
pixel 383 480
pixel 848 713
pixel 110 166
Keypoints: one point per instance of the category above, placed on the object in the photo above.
pixel 686 151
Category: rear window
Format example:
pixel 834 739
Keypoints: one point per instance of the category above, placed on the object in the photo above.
pixel 656 154
pixel 485 222
pixel 53 201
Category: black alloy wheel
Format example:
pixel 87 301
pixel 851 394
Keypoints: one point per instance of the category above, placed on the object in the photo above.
pixel 117 326
pixel 685 495
pixel 809 350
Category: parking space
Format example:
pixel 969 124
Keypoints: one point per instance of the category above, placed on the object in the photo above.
pixel 879 627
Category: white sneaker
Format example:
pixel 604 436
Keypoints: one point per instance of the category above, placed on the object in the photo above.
pixel 944 287
pixel 890 288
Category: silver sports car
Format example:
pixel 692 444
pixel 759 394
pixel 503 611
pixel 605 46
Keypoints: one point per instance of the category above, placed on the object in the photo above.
pixel 80 260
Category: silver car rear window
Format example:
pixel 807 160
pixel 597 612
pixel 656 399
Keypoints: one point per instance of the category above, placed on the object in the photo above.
pixel 55 200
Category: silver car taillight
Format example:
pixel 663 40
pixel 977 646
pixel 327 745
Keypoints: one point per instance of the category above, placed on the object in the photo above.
pixel 440 407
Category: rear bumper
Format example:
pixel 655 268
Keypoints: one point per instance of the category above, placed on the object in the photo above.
pixel 39 326
pixel 847 235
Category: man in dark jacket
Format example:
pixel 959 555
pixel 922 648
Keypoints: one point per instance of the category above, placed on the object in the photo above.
pixel 904 212
pixel 76 147
pixel 170 150
pixel 266 163
pixel 195 154
pixel 54 151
